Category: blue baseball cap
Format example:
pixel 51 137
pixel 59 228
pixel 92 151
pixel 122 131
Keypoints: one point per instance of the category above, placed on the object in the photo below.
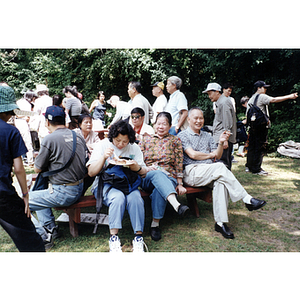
pixel 53 112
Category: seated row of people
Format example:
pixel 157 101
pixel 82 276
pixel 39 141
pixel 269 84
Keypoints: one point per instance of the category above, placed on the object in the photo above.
pixel 158 159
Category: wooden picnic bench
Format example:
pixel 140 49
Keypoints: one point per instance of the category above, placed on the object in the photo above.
pixel 74 210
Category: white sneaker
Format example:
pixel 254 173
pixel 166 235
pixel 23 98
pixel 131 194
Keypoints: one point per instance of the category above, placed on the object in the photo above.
pixel 247 169
pixel 115 244
pixel 138 244
pixel 261 172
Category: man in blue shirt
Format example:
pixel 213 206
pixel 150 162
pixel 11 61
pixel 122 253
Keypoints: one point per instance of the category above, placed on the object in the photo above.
pixel 14 211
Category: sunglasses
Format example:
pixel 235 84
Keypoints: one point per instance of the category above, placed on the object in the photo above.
pixel 135 117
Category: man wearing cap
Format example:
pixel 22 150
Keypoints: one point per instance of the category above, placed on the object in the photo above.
pixel 225 120
pixel 41 103
pixel 14 211
pixel 123 109
pixel 66 186
pixel 161 100
pixel 258 137
pixel 138 100
pixel 177 105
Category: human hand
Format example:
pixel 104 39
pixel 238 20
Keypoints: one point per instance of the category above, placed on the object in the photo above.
pixel 108 152
pixel 26 202
pixel 224 136
pixel 294 95
pixel 180 189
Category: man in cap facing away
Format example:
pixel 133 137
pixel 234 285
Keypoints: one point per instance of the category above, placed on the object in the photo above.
pixel 65 187
pixel 258 136
pixel 161 100
pixel 14 211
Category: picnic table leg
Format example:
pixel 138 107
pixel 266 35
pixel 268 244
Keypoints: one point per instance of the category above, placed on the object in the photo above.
pixel 74 219
pixel 192 203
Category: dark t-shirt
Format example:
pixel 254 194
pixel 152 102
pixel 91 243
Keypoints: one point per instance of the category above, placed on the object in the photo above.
pixel 11 147
pixel 56 150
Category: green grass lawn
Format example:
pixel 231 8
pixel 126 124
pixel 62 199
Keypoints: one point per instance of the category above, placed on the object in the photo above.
pixel 275 228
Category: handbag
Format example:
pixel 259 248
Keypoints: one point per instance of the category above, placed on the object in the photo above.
pixel 42 180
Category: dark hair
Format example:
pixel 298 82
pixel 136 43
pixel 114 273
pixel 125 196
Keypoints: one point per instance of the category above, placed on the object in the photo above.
pixel 57 100
pixel 138 110
pixel 100 93
pixel 136 85
pixel 57 121
pixel 165 115
pixel 71 89
pixel 123 128
pixel 82 117
pixel 29 95
pixel 244 99
pixel 227 85
pixel 42 93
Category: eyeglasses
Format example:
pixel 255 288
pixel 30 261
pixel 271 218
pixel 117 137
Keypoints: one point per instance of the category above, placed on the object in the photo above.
pixel 135 117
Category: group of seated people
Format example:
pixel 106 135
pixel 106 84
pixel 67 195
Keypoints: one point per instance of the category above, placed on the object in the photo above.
pixel 164 162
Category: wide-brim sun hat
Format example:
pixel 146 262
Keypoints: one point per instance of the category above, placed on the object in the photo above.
pixel 41 88
pixel 7 99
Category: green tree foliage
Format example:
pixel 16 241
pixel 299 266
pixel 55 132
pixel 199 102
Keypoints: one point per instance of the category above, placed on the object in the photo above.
pixel 110 70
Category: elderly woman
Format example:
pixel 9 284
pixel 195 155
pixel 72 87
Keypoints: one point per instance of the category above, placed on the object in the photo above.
pixel 85 123
pixel 163 156
pixel 120 143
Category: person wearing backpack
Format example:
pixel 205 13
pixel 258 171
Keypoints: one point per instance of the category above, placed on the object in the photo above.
pixel 258 131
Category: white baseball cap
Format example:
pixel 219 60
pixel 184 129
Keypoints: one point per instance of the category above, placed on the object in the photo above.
pixel 213 86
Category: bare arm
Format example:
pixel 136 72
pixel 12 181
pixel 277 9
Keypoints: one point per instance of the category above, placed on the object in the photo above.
pixel 284 98
pixel 21 176
pixel 183 116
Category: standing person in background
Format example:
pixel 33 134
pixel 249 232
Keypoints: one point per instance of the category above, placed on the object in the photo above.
pixel 177 105
pixel 138 100
pixel 22 123
pixel 161 100
pixel 73 105
pixel 58 101
pixel 99 107
pixel 225 120
pixel 14 211
pixel 40 106
pixel 123 109
pixel 258 136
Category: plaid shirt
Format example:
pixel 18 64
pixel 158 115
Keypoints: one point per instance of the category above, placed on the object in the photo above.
pixel 202 142
pixel 165 152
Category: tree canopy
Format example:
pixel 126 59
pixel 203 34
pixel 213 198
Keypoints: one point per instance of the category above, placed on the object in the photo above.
pixel 110 70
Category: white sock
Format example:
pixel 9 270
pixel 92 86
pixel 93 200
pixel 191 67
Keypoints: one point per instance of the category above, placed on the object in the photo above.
pixel 247 199
pixel 154 224
pixel 173 201
pixel 220 224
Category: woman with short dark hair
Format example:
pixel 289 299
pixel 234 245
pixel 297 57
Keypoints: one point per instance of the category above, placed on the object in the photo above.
pixel 120 143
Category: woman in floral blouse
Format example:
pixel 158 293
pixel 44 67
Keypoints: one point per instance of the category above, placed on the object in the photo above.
pixel 163 156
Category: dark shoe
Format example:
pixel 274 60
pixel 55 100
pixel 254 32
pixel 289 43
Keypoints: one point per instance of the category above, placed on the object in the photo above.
pixel 53 231
pixel 48 241
pixel 224 230
pixel 155 233
pixel 255 204
pixel 182 210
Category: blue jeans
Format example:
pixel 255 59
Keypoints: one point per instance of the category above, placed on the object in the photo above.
pixel 172 130
pixel 159 186
pixel 118 202
pixel 42 201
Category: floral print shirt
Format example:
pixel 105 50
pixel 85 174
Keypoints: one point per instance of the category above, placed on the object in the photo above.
pixel 165 152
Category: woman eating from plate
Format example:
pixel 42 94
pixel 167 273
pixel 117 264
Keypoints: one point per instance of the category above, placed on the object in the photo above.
pixel 163 156
pixel 120 143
